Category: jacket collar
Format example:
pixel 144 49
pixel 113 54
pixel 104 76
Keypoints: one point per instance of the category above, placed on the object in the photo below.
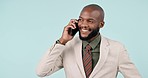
pixel 103 55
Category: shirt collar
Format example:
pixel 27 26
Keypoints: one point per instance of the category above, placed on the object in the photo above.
pixel 93 43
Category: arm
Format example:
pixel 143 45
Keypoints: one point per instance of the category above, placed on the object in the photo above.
pixel 126 67
pixel 51 61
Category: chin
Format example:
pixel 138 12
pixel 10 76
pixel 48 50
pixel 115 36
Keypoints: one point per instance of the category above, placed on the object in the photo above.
pixel 84 36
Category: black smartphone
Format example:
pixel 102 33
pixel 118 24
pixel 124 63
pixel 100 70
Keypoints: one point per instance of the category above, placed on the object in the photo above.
pixel 72 32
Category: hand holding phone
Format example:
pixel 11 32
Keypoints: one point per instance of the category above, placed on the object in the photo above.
pixel 72 32
pixel 69 32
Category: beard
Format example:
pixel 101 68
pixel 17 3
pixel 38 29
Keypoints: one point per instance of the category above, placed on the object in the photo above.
pixel 91 35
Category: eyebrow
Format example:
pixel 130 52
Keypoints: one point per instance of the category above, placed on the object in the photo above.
pixel 87 19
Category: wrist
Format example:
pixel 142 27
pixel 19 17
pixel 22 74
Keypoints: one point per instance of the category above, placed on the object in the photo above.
pixel 62 41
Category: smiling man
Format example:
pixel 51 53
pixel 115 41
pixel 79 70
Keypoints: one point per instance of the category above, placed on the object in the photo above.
pixel 90 55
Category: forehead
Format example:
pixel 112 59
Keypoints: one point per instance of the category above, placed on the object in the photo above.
pixel 93 14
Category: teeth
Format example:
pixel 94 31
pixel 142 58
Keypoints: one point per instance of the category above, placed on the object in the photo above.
pixel 84 30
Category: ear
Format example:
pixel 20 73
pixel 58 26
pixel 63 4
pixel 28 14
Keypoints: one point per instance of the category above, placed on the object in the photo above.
pixel 101 24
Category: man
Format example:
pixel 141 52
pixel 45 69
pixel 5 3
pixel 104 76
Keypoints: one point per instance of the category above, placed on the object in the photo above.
pixel 90 55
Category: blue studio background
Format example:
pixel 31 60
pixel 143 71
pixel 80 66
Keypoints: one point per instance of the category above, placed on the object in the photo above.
pixel 29 27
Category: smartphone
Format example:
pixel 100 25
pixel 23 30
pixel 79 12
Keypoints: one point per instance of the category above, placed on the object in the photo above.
pixel 72 32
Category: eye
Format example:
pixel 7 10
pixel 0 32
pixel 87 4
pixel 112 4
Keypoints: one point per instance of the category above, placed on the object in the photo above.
pixel 79 19
pixel 90 21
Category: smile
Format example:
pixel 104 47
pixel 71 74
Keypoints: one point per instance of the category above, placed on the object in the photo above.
pixel 84 30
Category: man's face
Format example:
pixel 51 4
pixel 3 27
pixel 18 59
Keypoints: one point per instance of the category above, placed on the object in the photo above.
pixel 88 24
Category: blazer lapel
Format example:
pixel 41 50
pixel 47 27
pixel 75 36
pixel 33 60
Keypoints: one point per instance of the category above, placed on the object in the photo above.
pixel 78 54
pixel 103 55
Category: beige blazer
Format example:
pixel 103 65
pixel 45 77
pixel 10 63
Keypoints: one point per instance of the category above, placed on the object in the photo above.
pixel 113 59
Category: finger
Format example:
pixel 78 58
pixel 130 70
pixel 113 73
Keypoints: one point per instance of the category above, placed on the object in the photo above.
pixel 74 25
pixel 72 21
pixel 69 26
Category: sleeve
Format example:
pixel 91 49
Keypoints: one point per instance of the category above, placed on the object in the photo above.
pixel 51 61
pixel 126 67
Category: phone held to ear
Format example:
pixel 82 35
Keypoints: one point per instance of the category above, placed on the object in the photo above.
pixel 72 32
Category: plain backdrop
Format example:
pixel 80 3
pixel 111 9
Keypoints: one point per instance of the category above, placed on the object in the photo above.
pixel 29 27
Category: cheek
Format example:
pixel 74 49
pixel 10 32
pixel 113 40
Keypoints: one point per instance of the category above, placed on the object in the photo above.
pixel 79 25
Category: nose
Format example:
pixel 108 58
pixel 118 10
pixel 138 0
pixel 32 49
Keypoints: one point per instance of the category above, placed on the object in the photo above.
pixel 83 24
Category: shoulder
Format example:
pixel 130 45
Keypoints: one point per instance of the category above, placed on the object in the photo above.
pixel 111 42
pixel 113 45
